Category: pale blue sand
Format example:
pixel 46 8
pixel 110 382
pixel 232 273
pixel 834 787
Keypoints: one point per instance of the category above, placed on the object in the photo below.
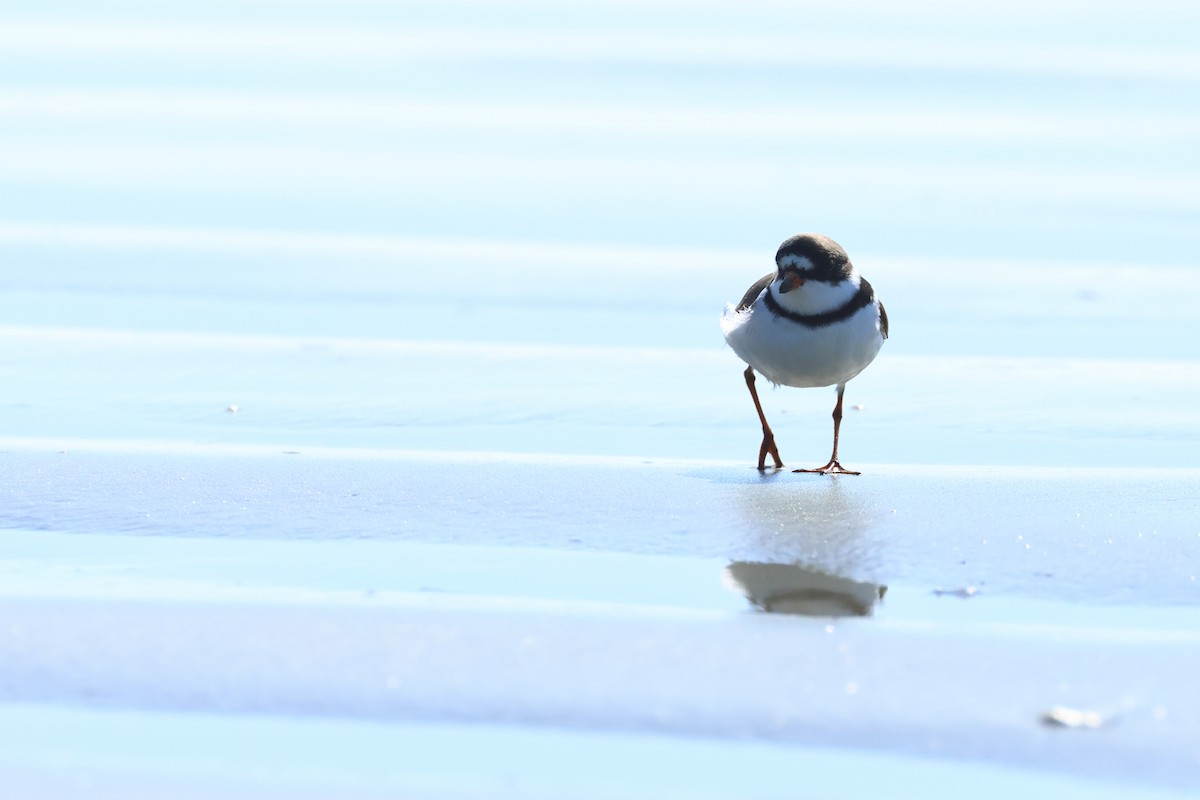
pixel 366 428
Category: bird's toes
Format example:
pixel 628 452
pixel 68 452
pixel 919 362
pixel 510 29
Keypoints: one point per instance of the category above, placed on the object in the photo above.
pixel 832 468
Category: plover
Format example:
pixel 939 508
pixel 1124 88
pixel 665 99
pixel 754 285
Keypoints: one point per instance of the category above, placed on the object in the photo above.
pixel 813 322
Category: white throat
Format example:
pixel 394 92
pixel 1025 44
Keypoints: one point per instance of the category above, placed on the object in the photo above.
pixel 815 297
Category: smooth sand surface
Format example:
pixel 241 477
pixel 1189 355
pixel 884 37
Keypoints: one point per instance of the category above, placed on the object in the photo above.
pixel 366 429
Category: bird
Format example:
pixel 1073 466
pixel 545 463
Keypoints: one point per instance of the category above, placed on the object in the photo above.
pixel 812 322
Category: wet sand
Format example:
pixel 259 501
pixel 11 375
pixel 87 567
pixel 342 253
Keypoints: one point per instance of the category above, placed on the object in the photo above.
pixel 366 429
pixel 931 613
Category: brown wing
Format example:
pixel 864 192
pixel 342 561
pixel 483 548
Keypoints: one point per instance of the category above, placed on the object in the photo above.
pixel 754 291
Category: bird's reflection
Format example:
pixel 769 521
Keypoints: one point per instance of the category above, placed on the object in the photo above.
pixel 801 541
pixel 795 589
pixel 825 526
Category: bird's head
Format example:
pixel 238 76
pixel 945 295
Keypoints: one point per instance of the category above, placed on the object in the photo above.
pixel 817 265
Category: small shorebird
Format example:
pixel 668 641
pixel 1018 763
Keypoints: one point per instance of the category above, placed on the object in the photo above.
pixel 813 322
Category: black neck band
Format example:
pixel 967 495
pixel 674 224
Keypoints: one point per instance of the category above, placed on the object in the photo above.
pixel 861 299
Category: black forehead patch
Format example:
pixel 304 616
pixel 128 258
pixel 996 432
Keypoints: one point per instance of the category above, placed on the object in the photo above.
pixel 830 263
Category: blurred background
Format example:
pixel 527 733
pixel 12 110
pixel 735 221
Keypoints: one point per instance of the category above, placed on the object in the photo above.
pixel 441 182
pixel 1062 130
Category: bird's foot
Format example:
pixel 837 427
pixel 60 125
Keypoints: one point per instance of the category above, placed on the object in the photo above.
pixel 768 447
pixel 832 468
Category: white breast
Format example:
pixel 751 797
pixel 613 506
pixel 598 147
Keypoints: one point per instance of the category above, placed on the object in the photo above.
pixel 789 353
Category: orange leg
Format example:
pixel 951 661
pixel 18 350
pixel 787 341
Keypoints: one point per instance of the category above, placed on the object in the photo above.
pixel 768 442
pixel 833 467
